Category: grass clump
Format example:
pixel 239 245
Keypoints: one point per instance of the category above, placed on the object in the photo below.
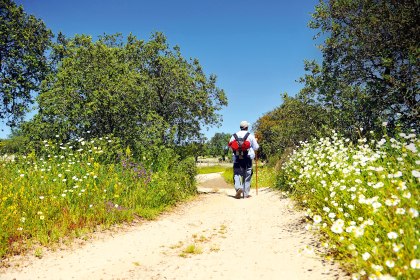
pixel 191 250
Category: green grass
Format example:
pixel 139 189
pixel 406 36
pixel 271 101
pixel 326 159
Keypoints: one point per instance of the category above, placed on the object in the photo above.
pixel 266 176
pixel 66 191
pixel 210 169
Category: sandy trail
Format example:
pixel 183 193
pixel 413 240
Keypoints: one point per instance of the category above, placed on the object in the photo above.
pixel 256 238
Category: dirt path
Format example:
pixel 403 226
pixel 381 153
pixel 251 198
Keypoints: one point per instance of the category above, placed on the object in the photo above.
pixel 256 238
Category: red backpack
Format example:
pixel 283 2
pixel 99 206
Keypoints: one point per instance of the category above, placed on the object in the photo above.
pixel 240 146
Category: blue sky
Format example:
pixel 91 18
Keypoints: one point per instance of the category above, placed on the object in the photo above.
pixel 255 48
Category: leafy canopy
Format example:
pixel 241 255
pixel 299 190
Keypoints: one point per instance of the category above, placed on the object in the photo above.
pixel 370 68
pixel 284 127
pixel 144 93
pixel 23 64
pixel 218 144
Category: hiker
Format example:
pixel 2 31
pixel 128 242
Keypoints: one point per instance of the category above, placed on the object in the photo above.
pixel 243 145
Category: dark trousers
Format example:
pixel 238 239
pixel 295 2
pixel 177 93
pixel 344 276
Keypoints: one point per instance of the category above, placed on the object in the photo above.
pixel 242 174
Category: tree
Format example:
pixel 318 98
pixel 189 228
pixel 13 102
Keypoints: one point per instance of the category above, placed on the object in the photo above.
pixel 24 40
pixel 370 68
pixel 93 93
pixel 141 92
pixel 180 92
pixel 284 127
pixel 218 144
pixel 192 149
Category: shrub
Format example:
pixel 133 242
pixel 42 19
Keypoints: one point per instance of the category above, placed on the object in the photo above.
pixel 363 200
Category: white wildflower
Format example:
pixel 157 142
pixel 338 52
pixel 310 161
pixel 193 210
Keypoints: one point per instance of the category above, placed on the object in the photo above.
pixel 407 195
pixel 317 219
pixel 377 267
pixel 366 256
pixel 386 277
pixel 397 247
pixel 392 235
pixel 376 205
pixel 378 185
pixel 415 264
pixel 390 263
pixel 413 212
pixel 331 215
pixel 411 147
pixel 400 211
pixel 358 232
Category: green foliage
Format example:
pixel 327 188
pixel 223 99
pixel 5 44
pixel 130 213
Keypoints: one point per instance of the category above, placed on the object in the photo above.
pixel 267 176
pixel 192 149
pixel 217 146
pixel 228 175
pixel 363 200
pixel 65 189
pixel 284 127
pixel 370 68
pixel 12 146
pixel 23 64
pixel 144 93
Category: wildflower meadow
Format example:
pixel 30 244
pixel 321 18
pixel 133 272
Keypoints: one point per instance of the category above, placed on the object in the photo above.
pixel 363 200
pixel 67 189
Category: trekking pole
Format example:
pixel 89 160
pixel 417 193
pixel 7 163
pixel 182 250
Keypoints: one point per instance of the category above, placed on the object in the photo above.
pixel 256 172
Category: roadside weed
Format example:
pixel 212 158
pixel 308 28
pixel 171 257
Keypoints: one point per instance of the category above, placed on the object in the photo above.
pixel 68 189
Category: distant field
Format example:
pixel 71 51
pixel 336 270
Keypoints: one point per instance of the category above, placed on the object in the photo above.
pixel 212 162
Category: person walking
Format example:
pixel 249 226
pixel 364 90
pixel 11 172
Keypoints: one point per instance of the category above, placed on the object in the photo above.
pixel 244 145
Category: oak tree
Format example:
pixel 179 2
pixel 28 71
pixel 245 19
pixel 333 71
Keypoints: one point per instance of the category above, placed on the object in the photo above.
pixel 24 40
pixel 370 68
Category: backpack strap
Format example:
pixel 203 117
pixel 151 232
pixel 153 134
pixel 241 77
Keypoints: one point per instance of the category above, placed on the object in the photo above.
pixel 236 137
pixel 244 138
pixel 237 141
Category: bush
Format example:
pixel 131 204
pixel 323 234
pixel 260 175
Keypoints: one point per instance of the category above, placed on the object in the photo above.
pixel 363 200
pixel 12 146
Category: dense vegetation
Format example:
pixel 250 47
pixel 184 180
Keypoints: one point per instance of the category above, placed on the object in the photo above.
pixel 67 189
pixel 347 146
pixel 369 75
pixel 117 123
pixel 363 200
pixel 23 63
pixel 284 127
pixel 144 93
pixel 370 68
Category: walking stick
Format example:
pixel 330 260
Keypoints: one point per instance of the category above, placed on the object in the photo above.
pixel 256 172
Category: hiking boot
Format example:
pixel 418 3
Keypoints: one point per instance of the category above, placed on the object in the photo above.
pixel 238 193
